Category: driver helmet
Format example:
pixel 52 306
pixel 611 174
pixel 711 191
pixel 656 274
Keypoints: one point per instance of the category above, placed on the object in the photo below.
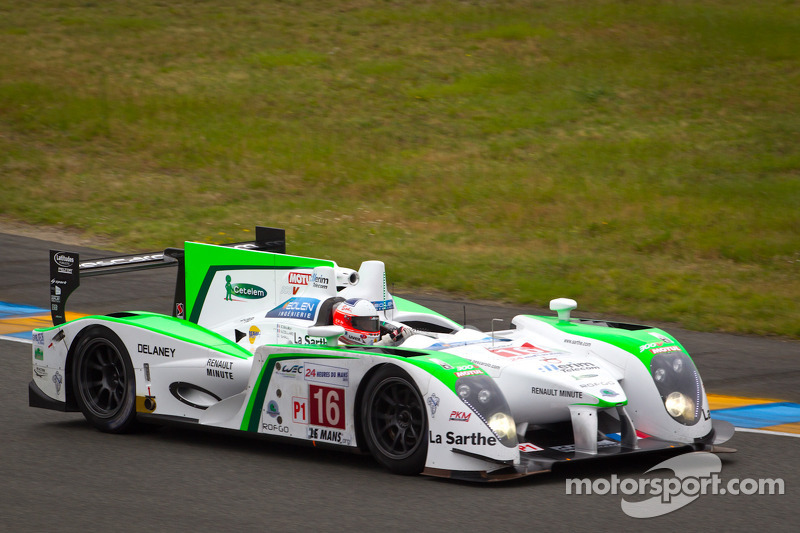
pixel 360 321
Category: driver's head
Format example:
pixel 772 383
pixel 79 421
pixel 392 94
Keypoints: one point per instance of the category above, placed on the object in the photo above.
pixel 360 321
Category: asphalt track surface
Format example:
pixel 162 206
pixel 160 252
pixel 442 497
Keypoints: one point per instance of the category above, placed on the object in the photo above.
pixel 59 474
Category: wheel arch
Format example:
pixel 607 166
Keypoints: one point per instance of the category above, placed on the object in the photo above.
pixel 360 438
pixel 73 347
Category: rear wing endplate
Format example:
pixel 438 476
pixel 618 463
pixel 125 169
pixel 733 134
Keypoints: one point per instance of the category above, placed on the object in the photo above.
pixel 66 268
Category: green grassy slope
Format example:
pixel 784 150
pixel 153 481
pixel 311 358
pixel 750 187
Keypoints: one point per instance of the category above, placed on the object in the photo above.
pixel 641 157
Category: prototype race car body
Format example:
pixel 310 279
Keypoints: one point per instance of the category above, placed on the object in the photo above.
pixel 251 347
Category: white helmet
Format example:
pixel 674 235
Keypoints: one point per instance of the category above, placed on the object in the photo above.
pixel 360 321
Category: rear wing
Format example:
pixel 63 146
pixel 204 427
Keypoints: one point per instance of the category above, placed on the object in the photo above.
pixel 66 268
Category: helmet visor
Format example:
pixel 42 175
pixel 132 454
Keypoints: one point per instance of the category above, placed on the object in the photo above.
pixel 366 323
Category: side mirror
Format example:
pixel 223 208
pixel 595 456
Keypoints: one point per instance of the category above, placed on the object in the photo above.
pixel 563 306
pixel 330 333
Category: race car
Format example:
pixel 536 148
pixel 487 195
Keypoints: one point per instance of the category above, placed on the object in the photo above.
pixel 251 346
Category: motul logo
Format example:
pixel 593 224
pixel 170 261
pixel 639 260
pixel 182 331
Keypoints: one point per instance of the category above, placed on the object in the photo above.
pixel 299 278
pixel 460 416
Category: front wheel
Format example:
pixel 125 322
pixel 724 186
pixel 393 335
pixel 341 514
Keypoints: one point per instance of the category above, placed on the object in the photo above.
pixel 103 382
pixel 395 422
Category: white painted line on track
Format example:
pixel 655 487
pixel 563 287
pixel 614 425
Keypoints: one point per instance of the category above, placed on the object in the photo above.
pixel 15 339
pixel 768 432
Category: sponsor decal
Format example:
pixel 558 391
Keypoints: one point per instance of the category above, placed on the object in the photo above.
pixel 319 282
pixel 57 379
pixel 475 372
pixel 526 350
pixel 299 410
pixel 584 376
pixel 39 371
pixel 383 305
pixel 608 393
pixel 527 447
pixel 219 369
pixel 597 384
pixel 64 260
pixel 308 339
pixel 288 371
pixel 162 351
pixel 253 334
pixel 38 354
pixel 122 260
pixel 326 406
pixel 661 337
pixel 557 392
pixel 272 409
pixel 487 365
pixel 459 416
pixel 442 364
pixel 180 310
pixel 275 428
pixel 328 435
pixel 473 439
pixel 38 338
pixel 433 402
pixel 330 375
pixel 577 342
pixel 651 345
pixel 303 308
pixel 665 349
pixel 299 278
pixel 245 291
pixel 569 367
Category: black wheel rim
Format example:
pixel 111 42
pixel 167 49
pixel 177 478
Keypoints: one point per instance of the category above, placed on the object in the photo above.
pixel 397 418
pixel 103 380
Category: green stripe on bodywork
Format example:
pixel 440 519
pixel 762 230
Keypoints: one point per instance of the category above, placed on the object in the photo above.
pixel 172 327
pixel 628 340
pixel 205 260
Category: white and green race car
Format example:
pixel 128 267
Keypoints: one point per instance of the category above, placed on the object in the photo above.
pixel 251 346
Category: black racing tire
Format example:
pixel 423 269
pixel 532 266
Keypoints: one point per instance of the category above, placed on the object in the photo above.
pixel 394 421
pixel 103 383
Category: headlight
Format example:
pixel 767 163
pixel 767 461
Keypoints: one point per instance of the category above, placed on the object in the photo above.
pixel 679 405
pixel 483 396
pixel 678 383
pixel 503 425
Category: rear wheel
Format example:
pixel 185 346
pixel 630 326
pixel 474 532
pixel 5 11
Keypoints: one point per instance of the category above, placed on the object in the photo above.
pixel 103 382
pixel 395 422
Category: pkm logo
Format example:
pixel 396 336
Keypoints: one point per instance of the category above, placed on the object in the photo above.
pixel 459 416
